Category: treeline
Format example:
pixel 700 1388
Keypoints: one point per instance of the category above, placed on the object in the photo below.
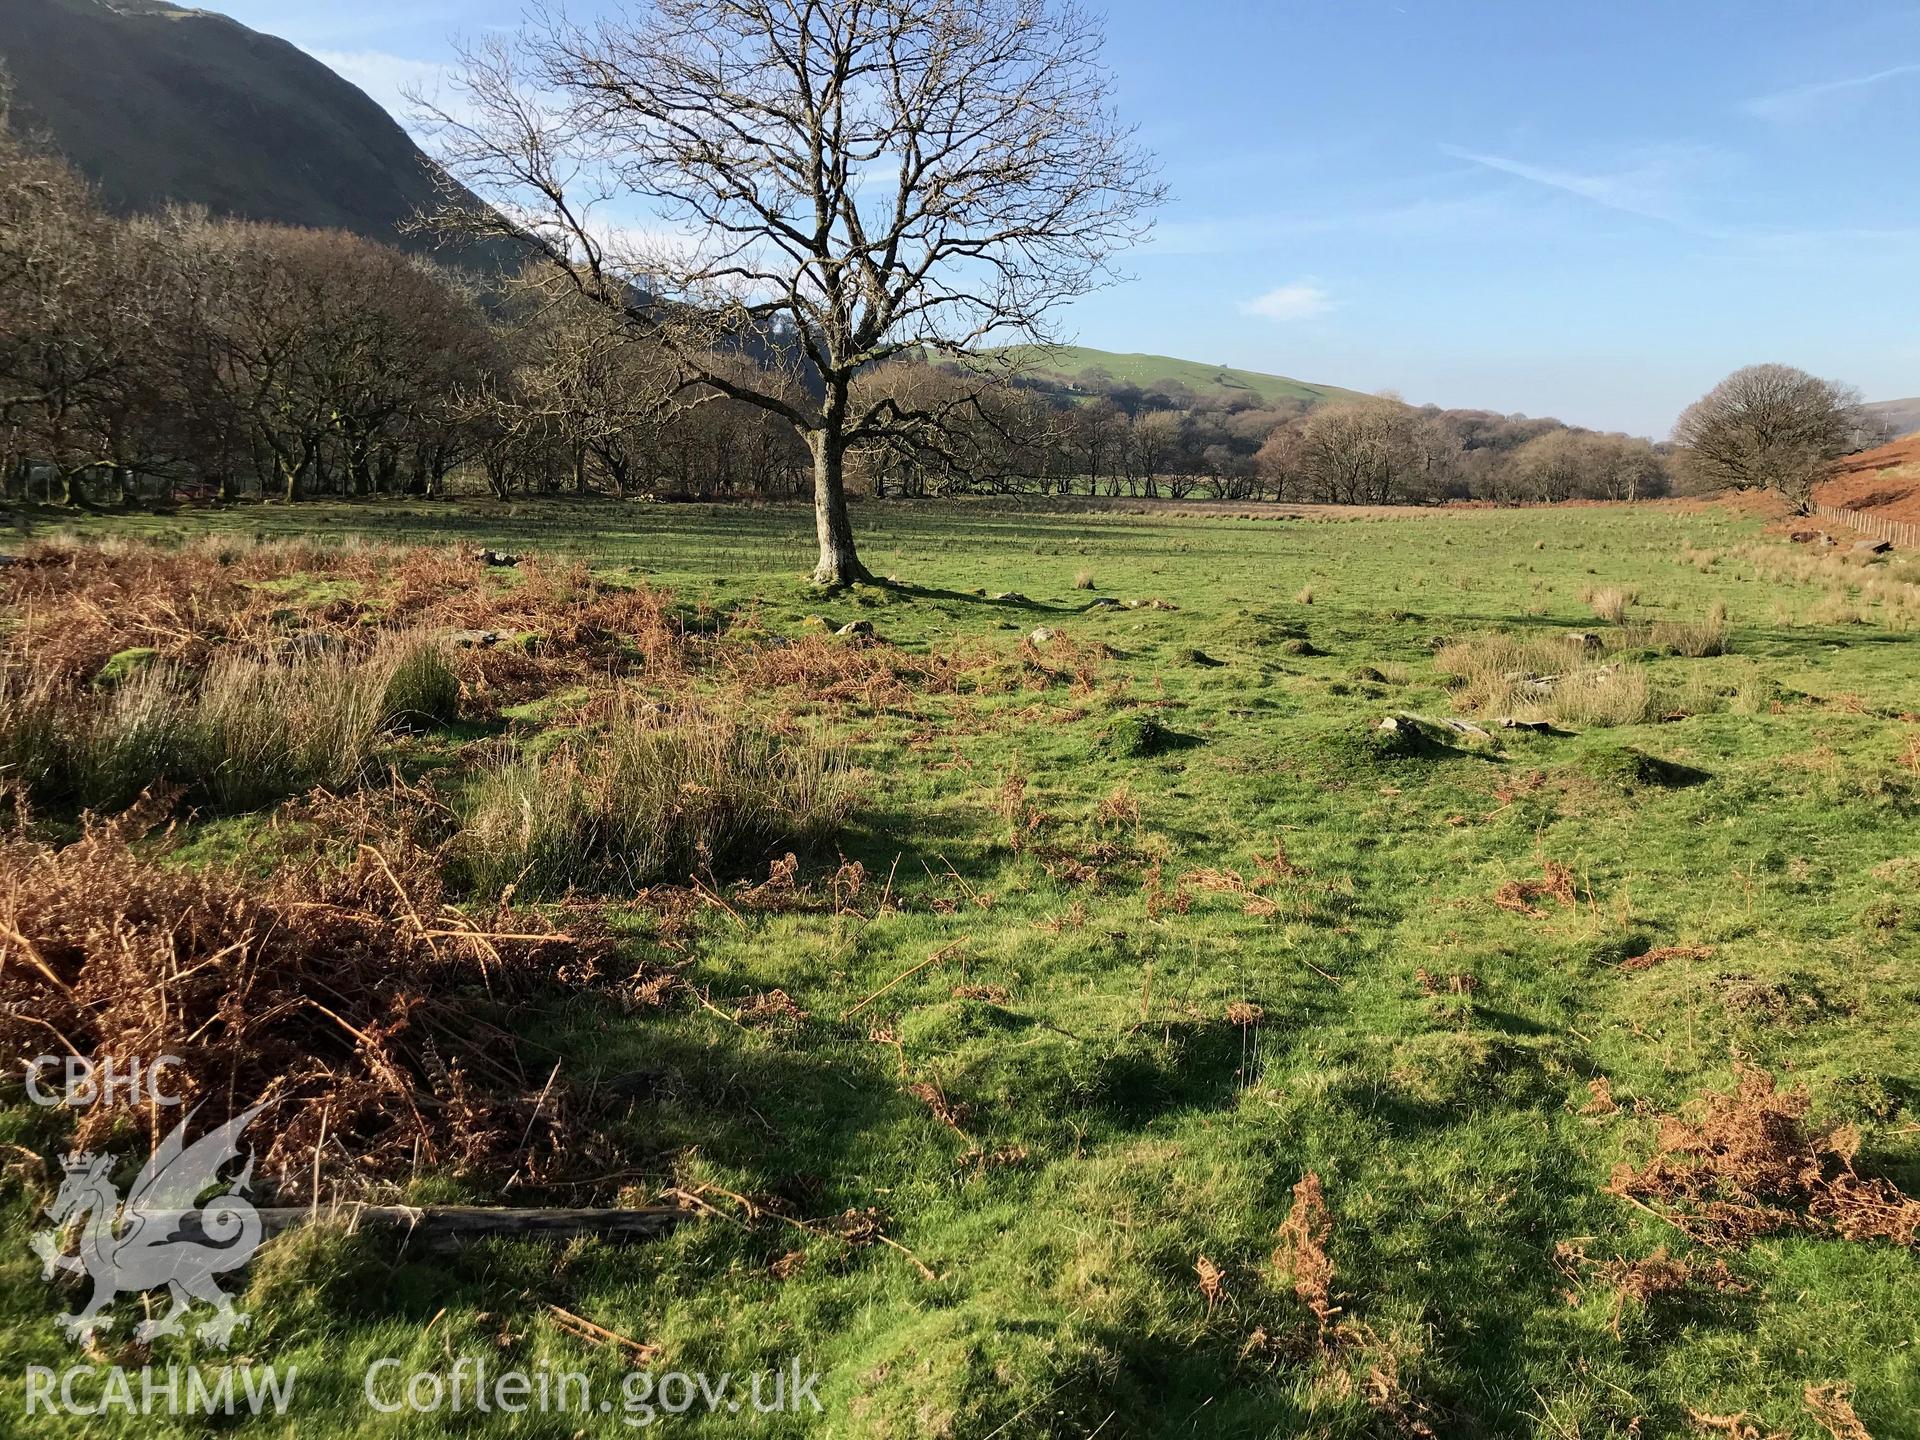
pixel 185 354
pixel 1114 438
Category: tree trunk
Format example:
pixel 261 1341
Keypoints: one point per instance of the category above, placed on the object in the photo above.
pixel 839 564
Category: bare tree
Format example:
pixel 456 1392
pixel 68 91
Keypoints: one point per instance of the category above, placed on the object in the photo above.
pixel 581 385
pixel 869 178
pixel 1152 440
pixel 1551 467
pixel 1771 427
pixel 72 314
pixel 1626 467
pixel 1355 452
pixel 1098 431
pixel 1279 460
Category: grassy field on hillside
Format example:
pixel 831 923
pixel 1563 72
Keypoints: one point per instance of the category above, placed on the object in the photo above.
pixel 1145 1043
pixel 1147 371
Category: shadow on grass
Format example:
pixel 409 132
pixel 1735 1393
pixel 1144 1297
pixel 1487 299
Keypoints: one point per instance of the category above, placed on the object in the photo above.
pixel 1005 601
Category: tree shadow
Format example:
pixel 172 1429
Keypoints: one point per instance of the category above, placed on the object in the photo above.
pixel 1003 601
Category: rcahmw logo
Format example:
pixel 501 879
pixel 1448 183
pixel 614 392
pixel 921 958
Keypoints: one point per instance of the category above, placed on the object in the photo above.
pixel 168 1390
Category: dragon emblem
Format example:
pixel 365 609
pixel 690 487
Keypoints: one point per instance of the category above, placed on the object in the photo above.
pixel 161 1235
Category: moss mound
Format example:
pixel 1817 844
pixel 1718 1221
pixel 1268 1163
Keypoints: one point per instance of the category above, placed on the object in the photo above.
pixel 125 665
pixel 1626 768
pixel 1136 737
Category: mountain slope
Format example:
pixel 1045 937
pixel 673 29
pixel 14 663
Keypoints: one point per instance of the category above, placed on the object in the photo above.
pixel 1902 416
pixel 1883 482
pixel 156 103
pixel 1065 362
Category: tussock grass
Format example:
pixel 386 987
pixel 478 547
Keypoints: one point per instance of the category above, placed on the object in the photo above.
pixel 423 687
pixel 1695 639
pixel 1538 678
pixel 1857 589
pixel 33 731
pixel 648 796
pixel 1611 603
pixel 241 733
pixel 1600 695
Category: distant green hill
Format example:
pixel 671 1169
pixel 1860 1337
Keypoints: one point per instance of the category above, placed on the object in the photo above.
pixel 1065 362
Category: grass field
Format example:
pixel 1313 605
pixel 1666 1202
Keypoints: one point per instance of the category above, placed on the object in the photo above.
pixel 1146 371
pixel 1153 923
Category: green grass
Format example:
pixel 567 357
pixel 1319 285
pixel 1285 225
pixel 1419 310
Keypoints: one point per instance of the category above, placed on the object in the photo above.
pixel 1117 1126
pixel 1067 361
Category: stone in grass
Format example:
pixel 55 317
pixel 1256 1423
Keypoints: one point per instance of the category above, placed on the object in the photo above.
pixel 496 557
pixel 126 664
pixel 1039 635
pixel 856 627
pixel 1871 547
pixel 474 639
pixel 1630 769
pixel 1137 737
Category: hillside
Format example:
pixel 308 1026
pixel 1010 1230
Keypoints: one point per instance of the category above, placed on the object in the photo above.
pixel 1065 362
pixel 156 104
pixel 1903 416
pixel 1885 481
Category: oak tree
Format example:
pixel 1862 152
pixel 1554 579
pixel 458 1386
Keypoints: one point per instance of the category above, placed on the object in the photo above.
pixel 834 184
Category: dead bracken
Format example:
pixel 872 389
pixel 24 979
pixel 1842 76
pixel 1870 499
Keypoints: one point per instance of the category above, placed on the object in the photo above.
pixel 1519 896
pixel 1301 1257
pixel 1662 1274
pixel 1741 1164
pixel 1661 954
pixel 372 1018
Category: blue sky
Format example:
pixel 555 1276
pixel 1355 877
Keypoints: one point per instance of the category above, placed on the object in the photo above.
pixel 1562 207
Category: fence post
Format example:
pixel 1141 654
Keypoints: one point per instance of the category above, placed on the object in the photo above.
pixel 1902 533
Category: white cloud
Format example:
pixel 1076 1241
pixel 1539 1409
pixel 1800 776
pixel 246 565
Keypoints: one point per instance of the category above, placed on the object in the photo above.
pixel 1648 185
pixel 1301 300
pixel 1804 101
